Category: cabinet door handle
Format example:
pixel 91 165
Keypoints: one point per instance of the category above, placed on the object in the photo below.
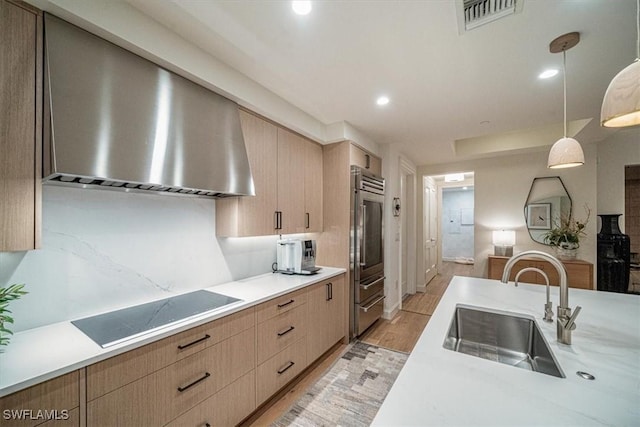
pixel 368 161
pixel 308 221
pixel 188 386
pixel 329 291
pixel 278 220
pixel 183 346
pixel 286 331
pixel 286 368
pixel 286 303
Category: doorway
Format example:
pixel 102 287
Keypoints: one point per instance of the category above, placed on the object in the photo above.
pixel 448 231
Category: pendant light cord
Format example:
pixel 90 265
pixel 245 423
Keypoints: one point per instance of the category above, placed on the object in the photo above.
pixel 564 84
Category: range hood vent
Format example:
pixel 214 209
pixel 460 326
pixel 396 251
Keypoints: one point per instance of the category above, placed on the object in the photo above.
pixel 114 120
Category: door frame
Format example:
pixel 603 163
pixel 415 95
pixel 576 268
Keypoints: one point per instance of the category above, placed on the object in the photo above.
pixel 408 222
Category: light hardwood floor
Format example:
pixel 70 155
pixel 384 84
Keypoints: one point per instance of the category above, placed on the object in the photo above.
pixel 399 333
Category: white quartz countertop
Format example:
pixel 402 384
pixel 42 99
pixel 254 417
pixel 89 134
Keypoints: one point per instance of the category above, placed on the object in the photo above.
pixel 440 387
pixel 40 354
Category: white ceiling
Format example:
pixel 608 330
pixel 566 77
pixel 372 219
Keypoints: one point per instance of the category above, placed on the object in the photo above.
pixel 443 85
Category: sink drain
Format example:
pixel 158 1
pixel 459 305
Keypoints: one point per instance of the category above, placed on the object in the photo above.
pixel 585 375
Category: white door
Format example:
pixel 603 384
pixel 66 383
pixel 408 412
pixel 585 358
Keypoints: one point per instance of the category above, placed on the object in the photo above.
pixel 430 229
pixel 404 237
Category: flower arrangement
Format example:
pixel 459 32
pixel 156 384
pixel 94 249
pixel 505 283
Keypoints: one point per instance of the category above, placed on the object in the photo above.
pixel 8 294
pixel 568 233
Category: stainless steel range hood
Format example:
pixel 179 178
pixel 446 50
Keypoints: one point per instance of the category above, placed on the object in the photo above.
pixel 116 120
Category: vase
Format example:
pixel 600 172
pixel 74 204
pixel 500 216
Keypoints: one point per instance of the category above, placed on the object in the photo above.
pixel 614 256
pixel 567 251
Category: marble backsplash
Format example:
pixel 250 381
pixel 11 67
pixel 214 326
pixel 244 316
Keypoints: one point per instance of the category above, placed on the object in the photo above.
pixel 103 250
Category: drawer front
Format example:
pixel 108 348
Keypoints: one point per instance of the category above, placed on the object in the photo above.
pixel 165 394
pixel 226 408
pixel 276 372
pixel 120 370
pixel 280 305
pixel 281 331
pixel 57 396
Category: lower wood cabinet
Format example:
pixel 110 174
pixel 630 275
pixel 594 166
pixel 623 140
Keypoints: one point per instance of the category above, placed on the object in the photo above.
pixel 52 403
pixel 579 272
pixel 279 370
pixel 327 312
pixel 156 399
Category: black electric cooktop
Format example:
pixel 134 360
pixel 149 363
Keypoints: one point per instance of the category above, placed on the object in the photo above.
pixel 117 326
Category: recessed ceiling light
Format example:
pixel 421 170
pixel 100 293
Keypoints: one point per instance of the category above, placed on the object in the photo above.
pixel 301 7
pixel 546 74
pixel 383 100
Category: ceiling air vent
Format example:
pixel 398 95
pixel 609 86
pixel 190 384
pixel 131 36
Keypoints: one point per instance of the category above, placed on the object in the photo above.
pixel 474 13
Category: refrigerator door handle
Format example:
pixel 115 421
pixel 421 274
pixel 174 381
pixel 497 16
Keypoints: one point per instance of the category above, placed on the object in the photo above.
pixel 363 237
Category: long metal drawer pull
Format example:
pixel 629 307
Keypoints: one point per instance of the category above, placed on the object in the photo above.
pixel 286 331
pixel 367 308
pixel 308 224
pixel 283 370
pixel 286 303
pixel 375 282
pixel 188 386
pixel 183 346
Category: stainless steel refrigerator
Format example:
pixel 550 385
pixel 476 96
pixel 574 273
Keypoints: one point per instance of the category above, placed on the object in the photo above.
pixel 367 250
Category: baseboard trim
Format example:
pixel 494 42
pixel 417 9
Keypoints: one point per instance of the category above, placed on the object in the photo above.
pixel 390 313
pixel 422 288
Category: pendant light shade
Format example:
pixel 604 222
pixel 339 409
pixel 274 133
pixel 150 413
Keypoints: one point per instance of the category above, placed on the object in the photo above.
pixel 566 152
pixel 621 104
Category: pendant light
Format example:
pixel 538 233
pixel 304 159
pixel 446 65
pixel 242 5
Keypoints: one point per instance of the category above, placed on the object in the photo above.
pixel 621 104
pixel 566 152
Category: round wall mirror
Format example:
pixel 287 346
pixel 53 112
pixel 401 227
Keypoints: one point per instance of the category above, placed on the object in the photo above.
pixel 548 201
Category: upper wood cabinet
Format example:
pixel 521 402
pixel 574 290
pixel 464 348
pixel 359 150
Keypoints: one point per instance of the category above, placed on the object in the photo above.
pixel 287 175
pixel 364 159
pixel 20 127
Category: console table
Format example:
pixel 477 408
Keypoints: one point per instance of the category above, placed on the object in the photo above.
pixel 579 272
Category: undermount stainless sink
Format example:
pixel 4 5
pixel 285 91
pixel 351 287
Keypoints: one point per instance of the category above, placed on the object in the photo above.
pixel 509 338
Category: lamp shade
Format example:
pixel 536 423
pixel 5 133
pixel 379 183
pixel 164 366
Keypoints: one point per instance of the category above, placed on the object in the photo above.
pixel 621 104
pixel 565 153
pixel 504 237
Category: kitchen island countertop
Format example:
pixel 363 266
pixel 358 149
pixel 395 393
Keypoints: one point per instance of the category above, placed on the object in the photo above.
pixel 439 387
pixel 43 353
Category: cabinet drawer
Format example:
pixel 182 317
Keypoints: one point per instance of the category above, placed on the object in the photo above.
pixel 280 305
pixel 54 396
pixel 276 372
pixel 226 408
pixel 120 370
pixel 281 331
pixel 163 395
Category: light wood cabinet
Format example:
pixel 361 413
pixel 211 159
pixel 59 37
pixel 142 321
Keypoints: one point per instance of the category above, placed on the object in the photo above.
pixel 59 397
pixel 326 311
pixel 113 373
pixel 158 398
pixel 283 165
pixel 281 331
pixel 20 127
pixel 282 304
pixel 579 272
pixel 280 369
pixel 313 181
pixel 361 157
pixel 226 408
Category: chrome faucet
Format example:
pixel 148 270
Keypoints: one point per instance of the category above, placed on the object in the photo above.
pixel 565 322
pixel 548 307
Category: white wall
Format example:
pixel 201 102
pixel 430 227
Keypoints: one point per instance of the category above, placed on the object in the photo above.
pixel 103 250
pixel 614 154
pixel 391 158
pixel 501 186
